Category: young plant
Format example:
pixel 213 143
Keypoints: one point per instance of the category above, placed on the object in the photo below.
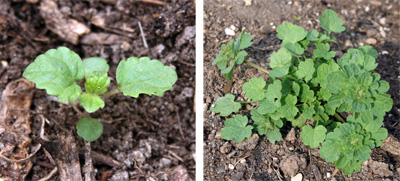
pixel 316 88
pixel 61 72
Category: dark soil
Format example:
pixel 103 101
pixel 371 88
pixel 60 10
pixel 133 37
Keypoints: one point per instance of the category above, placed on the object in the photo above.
pixel 223 160
pixel 153 137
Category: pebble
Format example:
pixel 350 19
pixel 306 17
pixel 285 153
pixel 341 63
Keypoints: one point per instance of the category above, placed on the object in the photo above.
pixel 328 175
pixel 226 148
pixel 248 144
pixel 220 169
pixel 229 32
pixel 237 176
pixel 375 3
pixel 382 21
pixel 231 167
pixel 248 2
pixel 291 135
pixel 347 43
pixel 384 52
pixel 298 177
pixel 371 41
pixel 371 32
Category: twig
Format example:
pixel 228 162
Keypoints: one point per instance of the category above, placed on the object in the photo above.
pixel 155 2
pixel 24 159
pixel 48 177
pixel 277 174
pixel 110 93
pixel 88 167
pixel 335 172
pixel 143 36
pixel 256 66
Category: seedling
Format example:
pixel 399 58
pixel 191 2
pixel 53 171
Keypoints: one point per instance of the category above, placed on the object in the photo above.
pixel 312 93
pixel 61 72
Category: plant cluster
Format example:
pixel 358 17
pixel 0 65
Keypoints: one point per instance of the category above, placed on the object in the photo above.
pixel 61 72
pixel 311 93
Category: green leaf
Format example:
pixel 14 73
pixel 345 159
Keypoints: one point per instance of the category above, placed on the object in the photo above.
pixel 95 64
pixel 225 56
pixel 306 70
pixel 240 57
pixel 89 129
pixel 278 72
pixel 91 102
pixel 289 110
pixel 243 41
pixel 290 33
pixel 323 71
pixel 274 90
pixel 294 48
pixel 330 21
pixel 313 136
pixel 299 121
pixel 97 83
pixel 136 76
pixel 254 89
pixel 368 50
pixel 274 135
pixel 226 105
pixel 336 81
pixel 57 71
pixel 267 106
pixel 281 59
pixel 322 51
pixel 236 128
pixel 313 35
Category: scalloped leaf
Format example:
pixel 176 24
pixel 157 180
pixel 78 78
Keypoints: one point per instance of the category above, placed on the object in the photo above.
pixel 144 76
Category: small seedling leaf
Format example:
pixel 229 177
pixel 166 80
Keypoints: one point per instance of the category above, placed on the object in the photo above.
pixel 89 129
pixel 289 32
pixel 236 128
pixel 95 64
pixel 57 71
pixel 331 22
pixel 255 89
pixel 91 102
pixel 313 136
pixel 226 105
pixel 144 76
pixel 97 83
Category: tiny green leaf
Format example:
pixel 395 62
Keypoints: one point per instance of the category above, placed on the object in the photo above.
pixel 330 21
pixel 95 64
pixel 91 102
pixel 57 71
pixel 89 129
pixel 142 75
pixel 322 51
pixel 281 59
pixel 289 32
pixel 236 128
pixel 313 136
pixel 254 89
pixel 226 105
pixel 294 48
pixel 306 70
pixel 97 83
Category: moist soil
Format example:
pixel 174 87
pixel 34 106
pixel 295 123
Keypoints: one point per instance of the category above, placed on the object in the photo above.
pixel 152 138
pixel 367 22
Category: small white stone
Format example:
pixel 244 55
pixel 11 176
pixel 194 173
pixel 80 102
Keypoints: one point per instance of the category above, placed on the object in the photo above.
pixel 382 21
pixel 272 23
pixel 298 177
pixel 367 8
pixel 247 2
pixel 274 27
pixel 229 32
pixel 4 63
pixel 233 28
pixel 231 167
pixel 328 175
pixel 290 2
pixel 384 52
pixel 242 160
pixel 371 41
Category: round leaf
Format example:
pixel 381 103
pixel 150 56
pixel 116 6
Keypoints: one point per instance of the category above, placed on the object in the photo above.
pixel 89 129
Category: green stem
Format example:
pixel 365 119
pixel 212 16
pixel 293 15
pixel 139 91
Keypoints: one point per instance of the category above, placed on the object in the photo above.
pixel 337 116
pixel 256 66
pixel 110 93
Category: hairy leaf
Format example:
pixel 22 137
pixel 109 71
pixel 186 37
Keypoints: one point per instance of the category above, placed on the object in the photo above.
pixel 144 76
pixel 236 128
pixel 306 70
pixel 89 129
pixel 330 21
pixel 322 51
pixel 226 105
pixel 313 136
pixel 57 71
pixel 91 102
pixel 97 83
pixel 289 32
pixel 95 64
pixel 254 89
